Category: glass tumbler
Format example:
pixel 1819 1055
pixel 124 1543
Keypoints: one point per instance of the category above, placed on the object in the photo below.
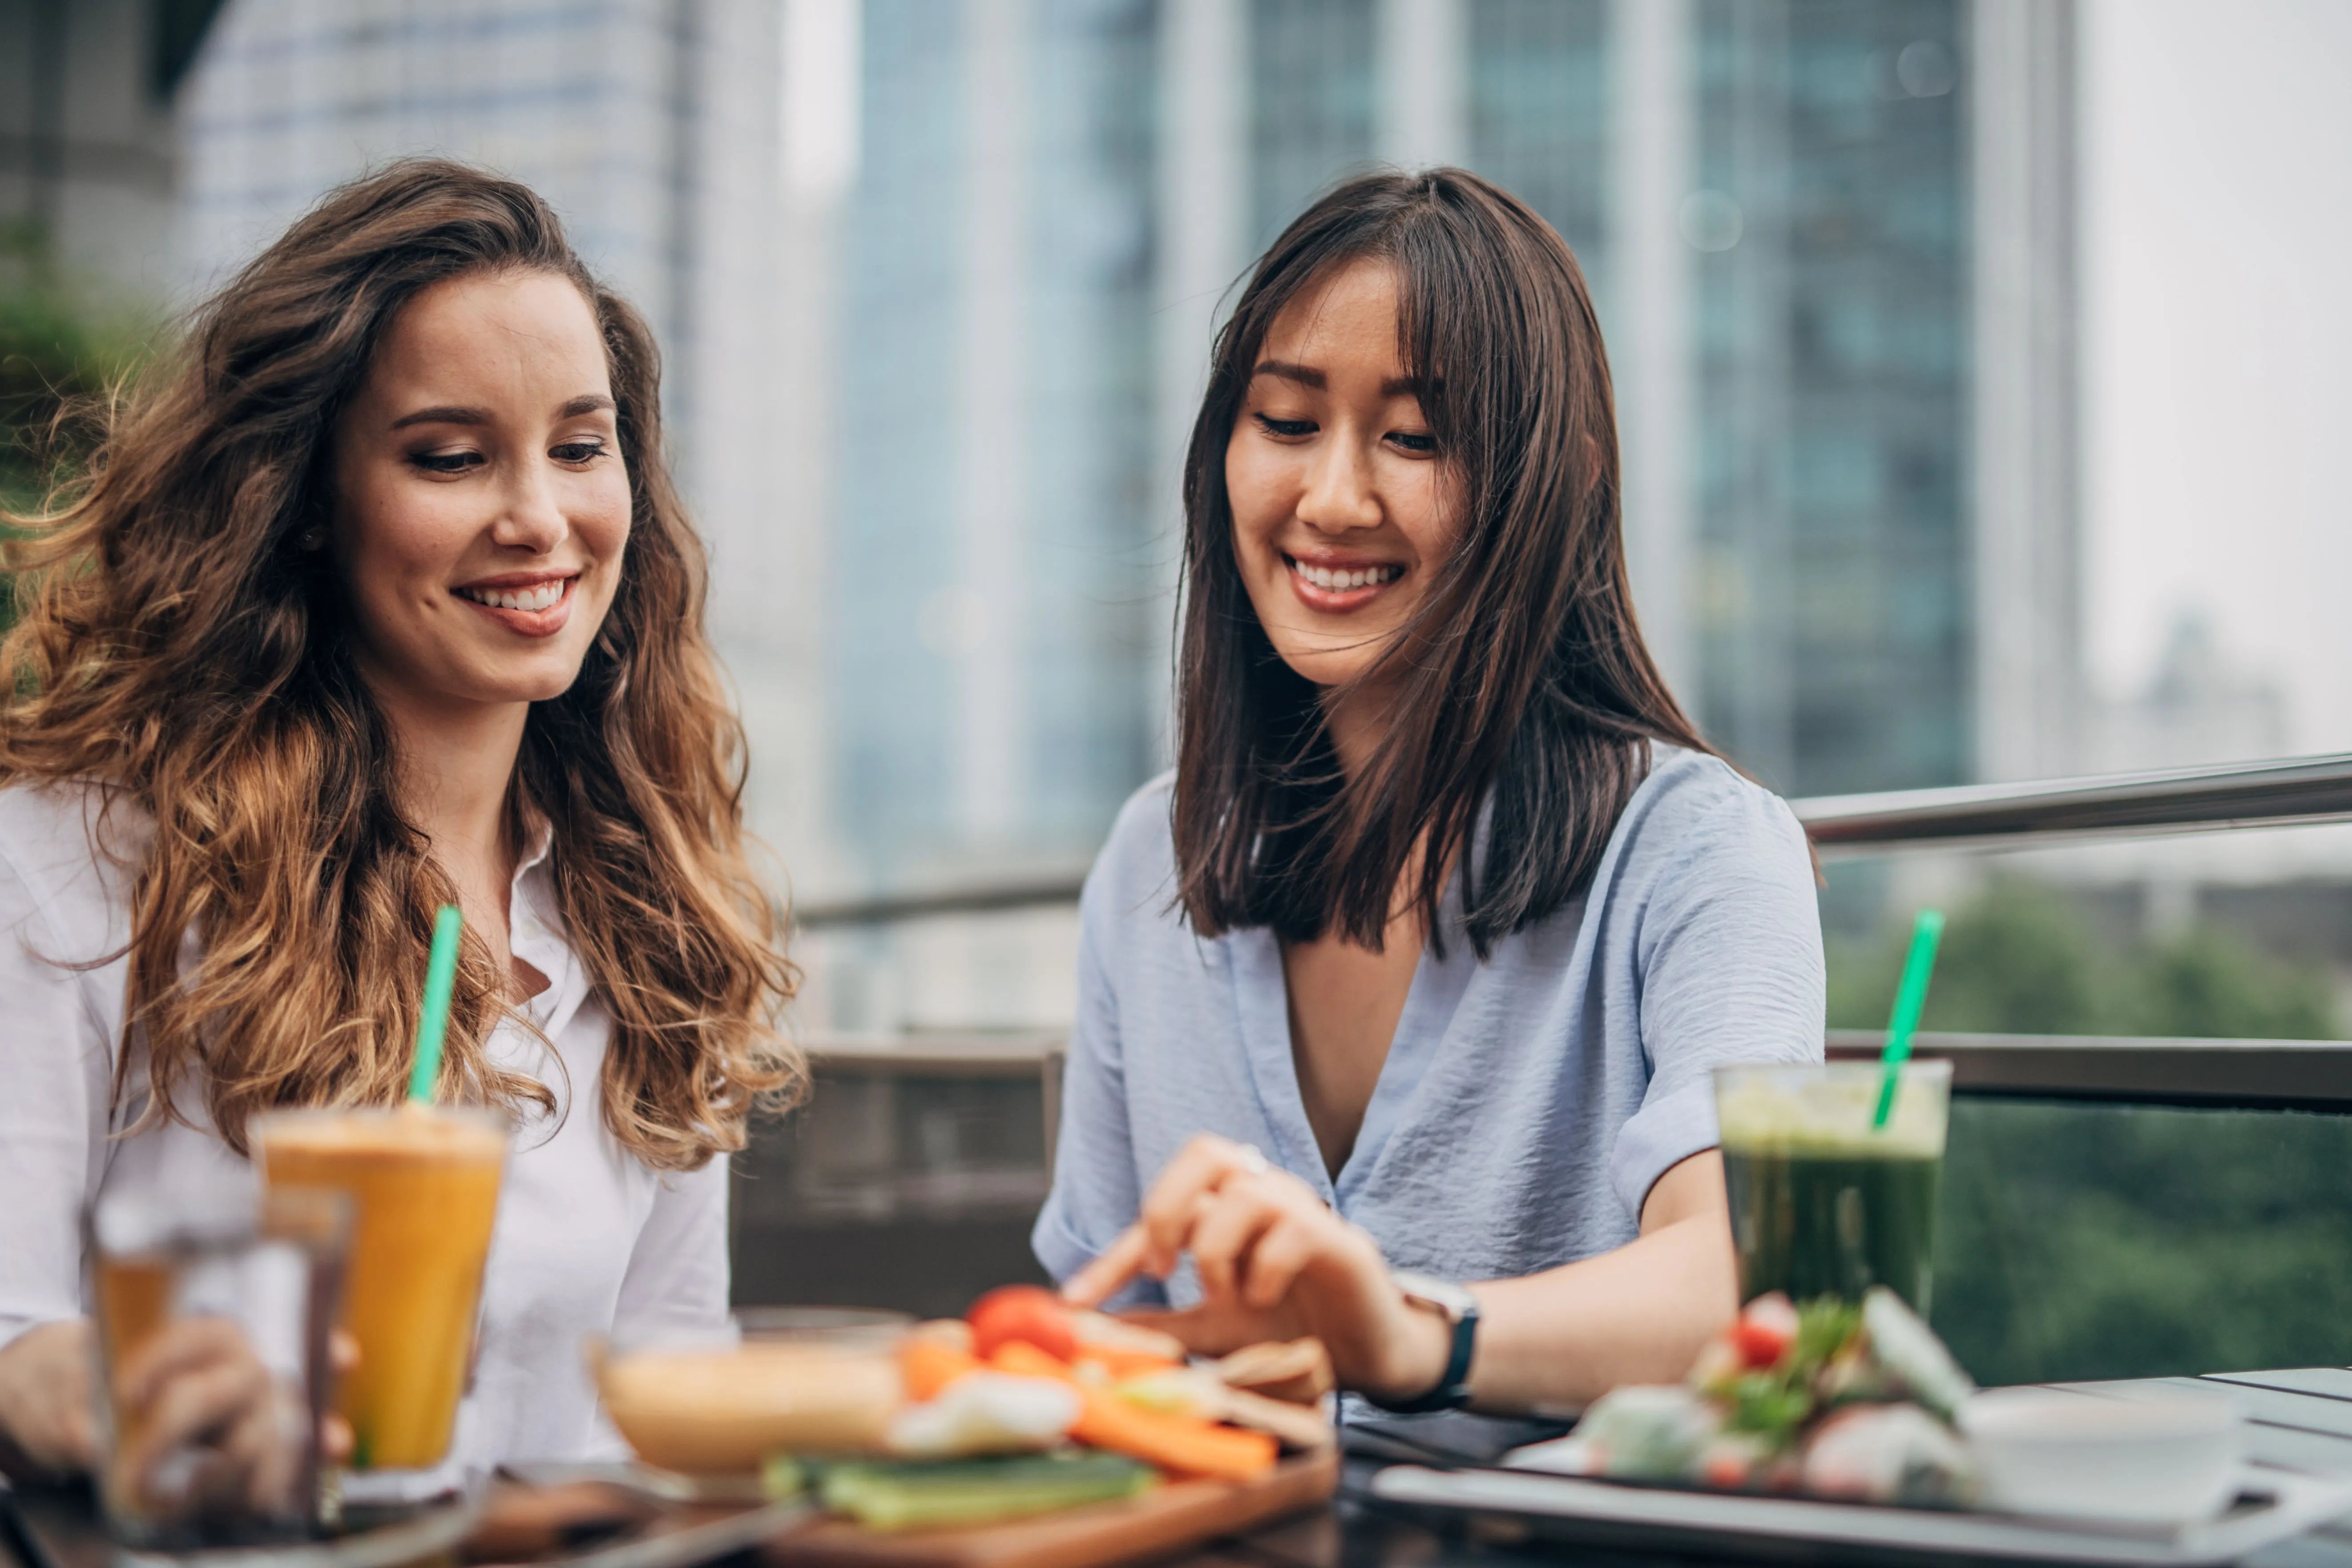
pixel 214 1364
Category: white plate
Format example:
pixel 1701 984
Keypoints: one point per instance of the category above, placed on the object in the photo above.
pixel 2272 1505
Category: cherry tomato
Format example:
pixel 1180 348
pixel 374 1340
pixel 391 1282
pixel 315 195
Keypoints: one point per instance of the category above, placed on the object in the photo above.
pixel 1764 1330
pixel 1726 1469
pixel 1026 1313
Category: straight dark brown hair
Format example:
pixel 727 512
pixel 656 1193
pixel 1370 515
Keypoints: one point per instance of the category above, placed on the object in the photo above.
pixel 1521 685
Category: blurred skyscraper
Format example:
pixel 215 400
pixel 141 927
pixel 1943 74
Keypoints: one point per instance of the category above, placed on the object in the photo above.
pixel 993 539
pixel 88 162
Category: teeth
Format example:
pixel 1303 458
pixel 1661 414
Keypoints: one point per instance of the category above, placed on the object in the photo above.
pixel 1337 581
pixel 543 597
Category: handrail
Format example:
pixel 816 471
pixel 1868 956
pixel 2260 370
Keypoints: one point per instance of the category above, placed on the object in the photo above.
pixel 2304 1074
pixel 980 899
pixel 2310 1075
pixel 1979 816
pixel 2280 792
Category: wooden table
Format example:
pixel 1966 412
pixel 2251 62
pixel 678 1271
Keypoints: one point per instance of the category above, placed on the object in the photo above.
pixel 2302 1420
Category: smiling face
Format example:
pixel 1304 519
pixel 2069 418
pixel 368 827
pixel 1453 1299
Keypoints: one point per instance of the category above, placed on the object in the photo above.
pixel 481 503
pixel 1342 511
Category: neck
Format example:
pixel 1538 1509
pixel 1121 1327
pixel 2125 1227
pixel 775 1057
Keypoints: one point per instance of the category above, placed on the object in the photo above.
pixel 1356 721
pixel 457 771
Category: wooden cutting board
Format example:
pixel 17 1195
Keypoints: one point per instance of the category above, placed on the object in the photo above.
pixel 1168 1519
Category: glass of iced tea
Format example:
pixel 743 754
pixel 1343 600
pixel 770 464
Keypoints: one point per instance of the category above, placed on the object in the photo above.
pixel 218 1291
pixel 424 1183
pixel 1824 1202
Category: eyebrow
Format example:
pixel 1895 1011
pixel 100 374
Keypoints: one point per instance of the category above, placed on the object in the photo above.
pixel 447 415
pixel 1305 376
pixel 1308 375
pixel 452 414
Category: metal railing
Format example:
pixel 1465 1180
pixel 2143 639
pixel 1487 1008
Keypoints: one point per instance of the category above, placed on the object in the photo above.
pixel 2292 791
pixel 2300 1075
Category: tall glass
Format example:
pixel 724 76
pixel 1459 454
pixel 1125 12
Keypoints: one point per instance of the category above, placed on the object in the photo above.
pixel 1822 1202
pixel 213 1303
pixel 424 1185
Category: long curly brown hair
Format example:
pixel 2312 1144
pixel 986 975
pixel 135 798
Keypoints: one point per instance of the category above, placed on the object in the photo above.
pixel 179 649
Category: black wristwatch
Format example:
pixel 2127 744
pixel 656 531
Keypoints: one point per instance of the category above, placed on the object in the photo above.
pixel 1459 1310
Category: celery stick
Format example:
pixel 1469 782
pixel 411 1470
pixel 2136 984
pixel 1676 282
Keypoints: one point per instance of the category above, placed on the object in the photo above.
pixel 976 1491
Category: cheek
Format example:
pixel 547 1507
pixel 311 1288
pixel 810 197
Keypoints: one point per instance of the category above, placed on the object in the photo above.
pixel 604 524
pixel 1428 513
pixel 392 535
pixel 1253 489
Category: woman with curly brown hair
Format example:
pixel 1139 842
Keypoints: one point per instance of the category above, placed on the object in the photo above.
pixel 382 598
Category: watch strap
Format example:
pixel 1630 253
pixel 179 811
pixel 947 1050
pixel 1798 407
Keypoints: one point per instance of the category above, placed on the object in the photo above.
pixel 1460 1308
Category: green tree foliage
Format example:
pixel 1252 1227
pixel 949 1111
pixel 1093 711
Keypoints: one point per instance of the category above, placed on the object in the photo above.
pixel 2084 1240
pixel 2020 959
pixel 59 355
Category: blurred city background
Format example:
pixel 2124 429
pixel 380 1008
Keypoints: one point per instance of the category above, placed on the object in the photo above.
pixel 1978 363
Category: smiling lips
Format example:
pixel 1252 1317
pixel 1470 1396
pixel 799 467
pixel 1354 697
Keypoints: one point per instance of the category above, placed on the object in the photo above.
pixel 536 606
pixel 1335 587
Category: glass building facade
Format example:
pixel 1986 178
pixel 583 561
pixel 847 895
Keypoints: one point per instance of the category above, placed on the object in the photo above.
pixel 1312 104
pixel 1539 108
pixel 1038 568
pixel 1831 322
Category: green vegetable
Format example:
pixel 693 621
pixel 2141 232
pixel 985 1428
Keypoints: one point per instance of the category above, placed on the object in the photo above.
pixel 1823 1326
pixel 1775 1403
pixel 976 1491
pixel 1767 1404
pixel 781 1477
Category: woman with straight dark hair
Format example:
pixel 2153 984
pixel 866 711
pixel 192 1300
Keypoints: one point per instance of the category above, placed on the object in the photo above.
pixel 379 598
pixel 1422 957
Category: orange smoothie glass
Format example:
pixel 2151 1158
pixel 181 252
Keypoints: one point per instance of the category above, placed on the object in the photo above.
pixel 424 1183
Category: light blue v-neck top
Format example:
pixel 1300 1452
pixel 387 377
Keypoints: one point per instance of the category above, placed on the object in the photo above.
pixel 1527 1102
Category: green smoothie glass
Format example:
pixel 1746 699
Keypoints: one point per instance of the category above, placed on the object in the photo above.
pixel 1824 1202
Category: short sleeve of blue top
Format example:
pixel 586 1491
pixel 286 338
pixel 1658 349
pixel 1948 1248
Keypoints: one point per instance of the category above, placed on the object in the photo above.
pixel 1527 1102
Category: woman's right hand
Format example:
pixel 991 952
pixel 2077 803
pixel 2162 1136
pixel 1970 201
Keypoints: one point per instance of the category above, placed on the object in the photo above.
pixel 207 1426
pixel 46 1411
pixel 198 1383
pixel 1274 1262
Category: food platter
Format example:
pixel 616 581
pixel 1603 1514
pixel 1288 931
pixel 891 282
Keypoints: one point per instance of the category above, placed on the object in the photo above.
pixel 539 1518
pixel 2271 1505
pixel 1171 1518
pixel 1028 1431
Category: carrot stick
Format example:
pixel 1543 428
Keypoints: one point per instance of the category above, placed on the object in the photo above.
pixel 927 1366
pixel 1122 1365
pixel 1181 1443
pixel 1022 1358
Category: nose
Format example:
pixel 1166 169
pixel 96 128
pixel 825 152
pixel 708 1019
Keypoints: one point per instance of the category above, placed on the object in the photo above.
pixel 529 517
pixel 1339 495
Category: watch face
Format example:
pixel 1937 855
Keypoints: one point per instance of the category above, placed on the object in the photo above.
pixel 1444 1295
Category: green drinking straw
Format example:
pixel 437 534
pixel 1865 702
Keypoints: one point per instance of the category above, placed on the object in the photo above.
pixel 1909 998
pixel 440 979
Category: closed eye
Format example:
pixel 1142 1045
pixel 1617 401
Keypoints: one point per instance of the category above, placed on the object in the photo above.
pixel 1285 429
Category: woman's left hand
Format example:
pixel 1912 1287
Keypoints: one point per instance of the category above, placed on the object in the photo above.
pixel 1274 1262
